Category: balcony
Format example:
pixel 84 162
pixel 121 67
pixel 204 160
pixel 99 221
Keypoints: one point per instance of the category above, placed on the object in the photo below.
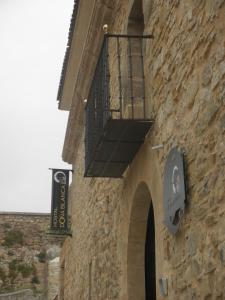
pixel 117 118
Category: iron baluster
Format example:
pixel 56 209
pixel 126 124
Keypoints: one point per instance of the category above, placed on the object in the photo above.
pixel 131 77
pixel 119 77
pixel 143 78
pixel 107 79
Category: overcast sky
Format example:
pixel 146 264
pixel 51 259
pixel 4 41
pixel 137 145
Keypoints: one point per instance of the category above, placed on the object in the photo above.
pixel 33 37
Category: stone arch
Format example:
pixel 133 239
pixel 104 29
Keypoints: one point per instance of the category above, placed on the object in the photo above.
pixel 142 215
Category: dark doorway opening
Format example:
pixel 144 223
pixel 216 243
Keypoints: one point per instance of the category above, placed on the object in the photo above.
pixel 150 280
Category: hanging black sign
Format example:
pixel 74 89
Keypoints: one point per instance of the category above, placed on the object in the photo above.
pixel 59 208
pixel 174 190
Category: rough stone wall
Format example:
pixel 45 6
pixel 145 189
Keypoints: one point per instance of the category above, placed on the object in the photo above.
pixel 24 245
pixel 186 67
pixel 53 278
pixel 185 83
pixel 21 295
pixel 93 249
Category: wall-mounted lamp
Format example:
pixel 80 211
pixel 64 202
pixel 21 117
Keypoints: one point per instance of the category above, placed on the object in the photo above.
pixel 105 28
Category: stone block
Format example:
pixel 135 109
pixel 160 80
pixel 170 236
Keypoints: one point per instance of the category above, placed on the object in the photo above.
pixel 192 90
pixel 211 219
pixel 207 74
pixel 192 243
pixel 222 253
pixel 205 288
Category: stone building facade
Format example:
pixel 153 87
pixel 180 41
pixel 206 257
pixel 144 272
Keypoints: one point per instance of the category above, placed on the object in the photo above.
pixel 184 71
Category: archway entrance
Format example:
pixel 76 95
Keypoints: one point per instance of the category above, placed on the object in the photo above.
pixel 141 247
pixel 150 288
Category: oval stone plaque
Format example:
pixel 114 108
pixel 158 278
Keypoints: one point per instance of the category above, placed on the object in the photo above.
pixel 174 195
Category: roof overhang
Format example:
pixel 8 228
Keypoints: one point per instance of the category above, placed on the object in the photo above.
pixel 78 31
pixel 83 55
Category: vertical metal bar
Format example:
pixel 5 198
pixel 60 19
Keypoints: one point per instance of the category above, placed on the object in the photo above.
pixel 107 74
pixel 131 76
pixel 101 91
pixel 119 76
pixel 95 121
pixel 102 83
pixel 143 79
pixel 104 75
pixel 90 281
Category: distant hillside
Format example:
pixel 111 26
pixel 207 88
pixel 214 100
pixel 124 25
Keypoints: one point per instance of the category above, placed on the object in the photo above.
pixel 23 249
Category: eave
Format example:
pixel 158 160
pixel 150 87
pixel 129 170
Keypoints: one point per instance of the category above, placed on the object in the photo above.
pixel 86 43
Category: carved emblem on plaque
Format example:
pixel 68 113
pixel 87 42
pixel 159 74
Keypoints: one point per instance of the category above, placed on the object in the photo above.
pixel 174 190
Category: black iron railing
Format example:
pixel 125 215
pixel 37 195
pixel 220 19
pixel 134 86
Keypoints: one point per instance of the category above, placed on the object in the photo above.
pixel 118 88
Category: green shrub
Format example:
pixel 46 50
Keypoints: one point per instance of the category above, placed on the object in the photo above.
pixel 42 256
pixel 13 270
pixel 6 225
pixel 2 274
pixel 10 253
pixel 13 237
pixel 13 265
pixel 16 267
pixel 7 289
pixel 25 269
pixel 35 279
